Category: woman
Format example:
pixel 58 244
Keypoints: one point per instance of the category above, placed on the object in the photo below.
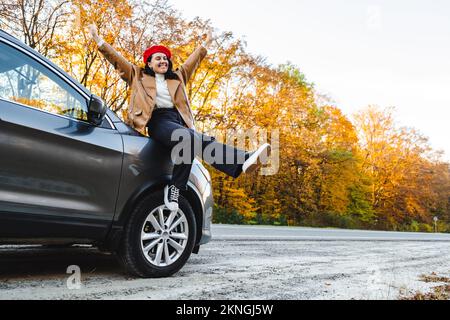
pixel 159 102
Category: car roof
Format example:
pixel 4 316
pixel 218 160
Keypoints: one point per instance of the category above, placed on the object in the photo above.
pixel 6 35
pixel 16 41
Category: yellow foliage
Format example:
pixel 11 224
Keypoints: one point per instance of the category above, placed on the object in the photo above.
pixel 328 163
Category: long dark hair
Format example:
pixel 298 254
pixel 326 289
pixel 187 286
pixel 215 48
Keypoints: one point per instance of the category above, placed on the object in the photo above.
pixel 170 74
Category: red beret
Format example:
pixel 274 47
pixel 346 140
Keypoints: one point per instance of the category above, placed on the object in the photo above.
pixel 156 49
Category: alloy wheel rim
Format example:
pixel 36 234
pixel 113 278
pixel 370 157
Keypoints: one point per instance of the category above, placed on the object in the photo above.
pixel 164 236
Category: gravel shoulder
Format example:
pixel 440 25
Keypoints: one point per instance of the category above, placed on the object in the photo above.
pixel 233 269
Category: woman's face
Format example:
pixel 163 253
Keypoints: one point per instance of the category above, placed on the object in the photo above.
pixel 159 63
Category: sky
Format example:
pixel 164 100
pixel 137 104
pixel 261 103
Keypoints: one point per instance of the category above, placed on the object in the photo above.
pixel 357 52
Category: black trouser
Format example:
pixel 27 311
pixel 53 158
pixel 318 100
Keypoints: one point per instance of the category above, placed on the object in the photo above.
pixel 164 122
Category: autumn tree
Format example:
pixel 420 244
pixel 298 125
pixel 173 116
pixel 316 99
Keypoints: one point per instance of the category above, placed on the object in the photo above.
pixel 36 22
pixel 334 171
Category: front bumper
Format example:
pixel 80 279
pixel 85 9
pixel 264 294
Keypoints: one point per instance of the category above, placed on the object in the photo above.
pixel 208 203
pixel 202 181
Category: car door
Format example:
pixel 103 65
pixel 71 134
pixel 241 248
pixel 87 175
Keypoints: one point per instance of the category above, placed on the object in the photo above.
pixel 59 174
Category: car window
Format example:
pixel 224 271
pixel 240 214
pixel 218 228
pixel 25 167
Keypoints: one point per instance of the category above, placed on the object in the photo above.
pixel 26 81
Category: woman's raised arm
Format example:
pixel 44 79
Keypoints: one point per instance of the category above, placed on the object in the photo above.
pixel 194 60
pixel 124 67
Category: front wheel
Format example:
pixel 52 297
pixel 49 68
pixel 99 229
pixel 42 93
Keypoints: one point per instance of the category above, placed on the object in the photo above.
pixel 157 243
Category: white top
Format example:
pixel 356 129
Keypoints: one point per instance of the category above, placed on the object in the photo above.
pixel 163 98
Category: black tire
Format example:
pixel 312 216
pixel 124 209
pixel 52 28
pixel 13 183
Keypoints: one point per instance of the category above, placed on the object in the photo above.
pixel 131 254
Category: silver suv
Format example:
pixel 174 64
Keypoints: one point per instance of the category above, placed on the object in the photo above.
pixel 71 172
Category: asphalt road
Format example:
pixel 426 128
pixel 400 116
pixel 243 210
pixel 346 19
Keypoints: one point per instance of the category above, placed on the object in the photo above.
pixel 265 233
pixel 243 263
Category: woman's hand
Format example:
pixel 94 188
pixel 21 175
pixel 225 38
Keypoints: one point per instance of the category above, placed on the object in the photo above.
pixel 207 37
pixel 92 28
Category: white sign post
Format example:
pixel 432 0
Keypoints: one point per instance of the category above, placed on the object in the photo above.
pixel 435 224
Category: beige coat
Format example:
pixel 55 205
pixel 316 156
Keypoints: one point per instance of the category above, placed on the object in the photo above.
pixel 143 87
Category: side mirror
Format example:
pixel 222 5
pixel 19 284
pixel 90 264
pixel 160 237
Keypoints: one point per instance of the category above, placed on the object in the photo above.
pixel 96 110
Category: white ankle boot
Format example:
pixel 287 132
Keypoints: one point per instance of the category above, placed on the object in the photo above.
pixel 254 161
pixel 171 194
